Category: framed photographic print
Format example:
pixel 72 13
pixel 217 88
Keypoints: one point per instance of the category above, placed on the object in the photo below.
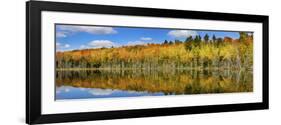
pixel 95 62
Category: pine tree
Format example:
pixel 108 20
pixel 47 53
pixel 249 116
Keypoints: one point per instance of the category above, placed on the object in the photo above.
pixel 197 39
pixel 177 41
pixel 214 38
pixel 165 42
pixel 206 38
pixel 243 36
pixel 188 39
pixel 171 42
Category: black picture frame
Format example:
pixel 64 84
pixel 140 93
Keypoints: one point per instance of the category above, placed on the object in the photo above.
pixel 33 61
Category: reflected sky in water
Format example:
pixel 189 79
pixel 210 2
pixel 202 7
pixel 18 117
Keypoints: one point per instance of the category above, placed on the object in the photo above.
pixel 68 92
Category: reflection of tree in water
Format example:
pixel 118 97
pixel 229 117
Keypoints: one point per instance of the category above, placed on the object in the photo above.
pixel 166 81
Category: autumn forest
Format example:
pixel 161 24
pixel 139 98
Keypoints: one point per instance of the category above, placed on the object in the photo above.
pixel 169 62
pixel 198 53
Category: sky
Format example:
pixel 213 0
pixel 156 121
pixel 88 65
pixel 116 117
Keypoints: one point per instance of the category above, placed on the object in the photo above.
pixel 73 37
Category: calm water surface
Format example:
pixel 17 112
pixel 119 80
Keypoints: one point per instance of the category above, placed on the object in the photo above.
pixel 84 84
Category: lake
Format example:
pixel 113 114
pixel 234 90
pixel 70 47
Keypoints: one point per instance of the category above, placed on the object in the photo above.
pixel 102 83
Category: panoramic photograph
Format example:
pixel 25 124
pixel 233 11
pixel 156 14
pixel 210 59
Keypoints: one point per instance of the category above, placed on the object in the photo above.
pixel 93 62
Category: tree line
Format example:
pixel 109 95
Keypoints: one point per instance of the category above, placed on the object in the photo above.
pixel 194 52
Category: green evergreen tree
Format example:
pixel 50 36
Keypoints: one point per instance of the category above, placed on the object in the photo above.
pixel 214 38
pixel 189 39
pixel 171 42
pixel 243 36
pixel 166 42
pixel 206 38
